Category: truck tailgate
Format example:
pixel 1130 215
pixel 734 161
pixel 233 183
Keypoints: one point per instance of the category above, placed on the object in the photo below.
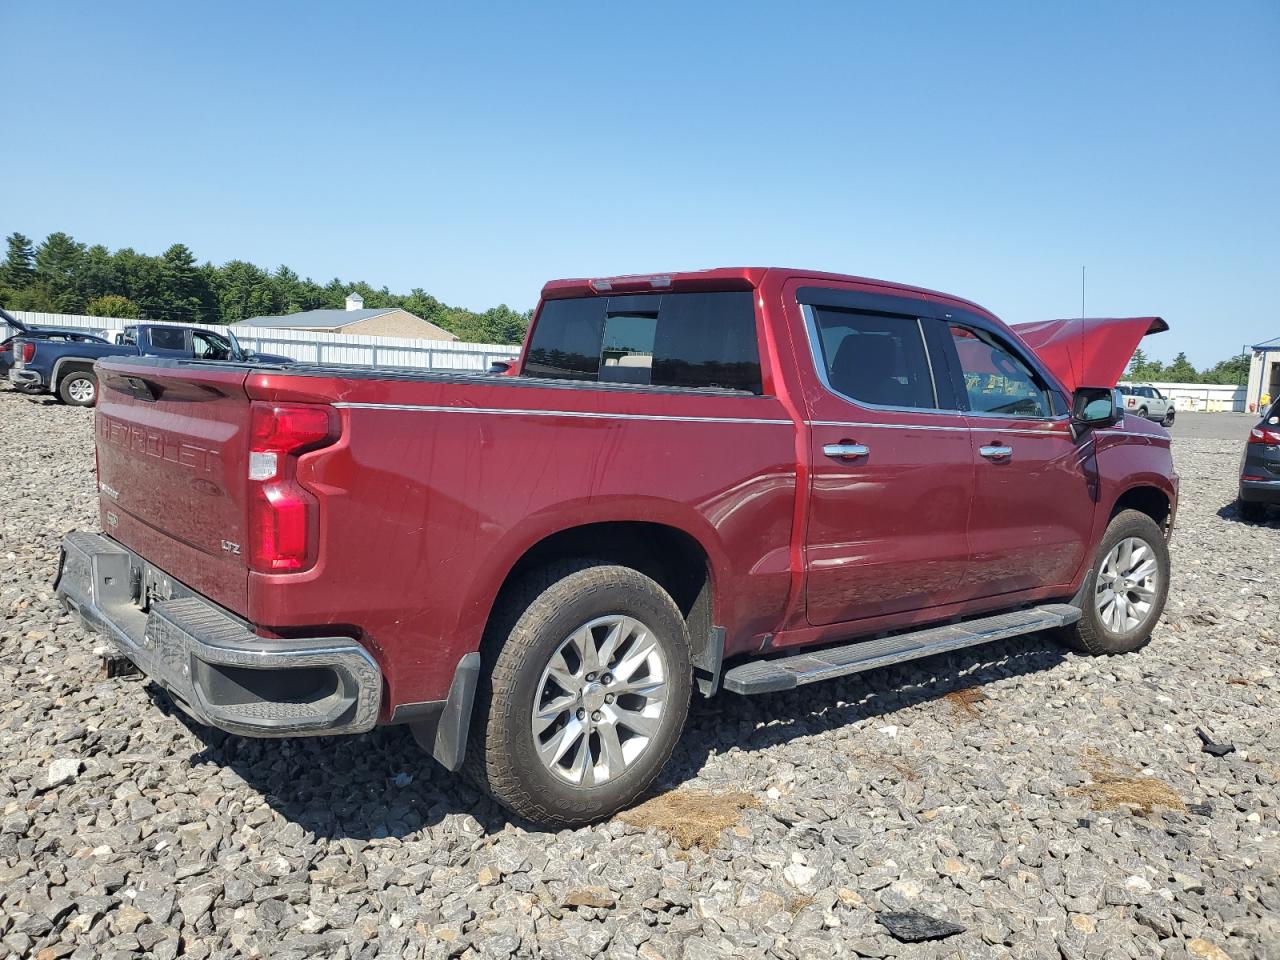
pixel 172 443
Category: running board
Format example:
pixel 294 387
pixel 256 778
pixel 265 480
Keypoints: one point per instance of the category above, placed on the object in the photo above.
pixel 786 673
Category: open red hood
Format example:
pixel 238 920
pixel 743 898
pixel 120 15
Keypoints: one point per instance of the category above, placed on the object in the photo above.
pixel 1088 351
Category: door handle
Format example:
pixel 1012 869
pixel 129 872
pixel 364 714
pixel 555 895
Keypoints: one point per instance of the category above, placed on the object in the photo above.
pixel 846 450
pixel 996 451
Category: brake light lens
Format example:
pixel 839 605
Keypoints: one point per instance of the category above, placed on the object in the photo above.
pixel 283 514
pixel 28 351
pixel 1264 435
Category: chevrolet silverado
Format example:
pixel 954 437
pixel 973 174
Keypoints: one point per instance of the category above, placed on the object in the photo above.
pixel 741 479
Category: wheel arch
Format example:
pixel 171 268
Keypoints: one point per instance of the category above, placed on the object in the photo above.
pixel 1146 498
pixel 667 552
pixel 64 366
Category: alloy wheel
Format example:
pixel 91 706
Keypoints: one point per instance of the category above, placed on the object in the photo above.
pixel 1127 584
pixel 600 701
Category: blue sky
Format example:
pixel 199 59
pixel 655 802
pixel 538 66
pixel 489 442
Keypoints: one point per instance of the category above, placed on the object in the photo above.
pixel 988 150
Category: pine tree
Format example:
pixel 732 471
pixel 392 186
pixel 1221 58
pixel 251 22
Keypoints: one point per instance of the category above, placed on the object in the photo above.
pixel 1181 370
pixel 181 285
pixel 19 267
pixel 58 263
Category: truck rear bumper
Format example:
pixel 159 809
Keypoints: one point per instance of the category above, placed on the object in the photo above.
pixel 25 379
pixel 217 669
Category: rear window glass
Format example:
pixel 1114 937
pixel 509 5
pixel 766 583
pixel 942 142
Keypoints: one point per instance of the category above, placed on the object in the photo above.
pixel 698 340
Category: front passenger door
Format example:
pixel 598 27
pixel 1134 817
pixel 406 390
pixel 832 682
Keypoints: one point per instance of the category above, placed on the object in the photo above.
pixel 1034 484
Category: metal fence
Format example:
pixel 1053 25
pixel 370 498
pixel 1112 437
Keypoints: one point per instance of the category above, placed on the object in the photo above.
pixel 310 347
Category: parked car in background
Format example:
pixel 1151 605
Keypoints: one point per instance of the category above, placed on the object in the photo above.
pixel 66 368
pixel 1260 466
pixel 55 334
pixel 1147 401
pixel 739 479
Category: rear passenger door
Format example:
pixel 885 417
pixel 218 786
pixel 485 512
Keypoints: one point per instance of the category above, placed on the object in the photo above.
pixel 1035 484
pixel 891 472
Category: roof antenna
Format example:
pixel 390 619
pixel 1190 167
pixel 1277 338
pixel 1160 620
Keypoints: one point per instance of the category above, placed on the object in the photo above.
pixel 1082 293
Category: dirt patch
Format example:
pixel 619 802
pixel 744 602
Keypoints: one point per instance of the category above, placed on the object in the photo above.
pixel 965 702
pixel 692 818
pixel 1117 785
pixel 796 904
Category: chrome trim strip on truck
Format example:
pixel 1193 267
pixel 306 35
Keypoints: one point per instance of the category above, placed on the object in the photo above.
pixel 576 414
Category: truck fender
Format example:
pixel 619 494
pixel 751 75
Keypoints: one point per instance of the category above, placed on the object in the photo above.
pixel 55 377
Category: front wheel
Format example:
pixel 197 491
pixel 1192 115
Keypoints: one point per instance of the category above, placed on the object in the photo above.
pixel 1168 418
pixel 1126 590
pixel 583 693
pixel 80 389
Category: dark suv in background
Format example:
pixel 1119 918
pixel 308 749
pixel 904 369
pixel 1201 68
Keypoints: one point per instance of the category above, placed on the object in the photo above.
pixel 1260 466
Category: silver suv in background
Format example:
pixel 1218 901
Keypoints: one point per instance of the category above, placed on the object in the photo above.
pixel 1146 401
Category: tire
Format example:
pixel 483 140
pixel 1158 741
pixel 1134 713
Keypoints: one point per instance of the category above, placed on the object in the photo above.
pixel 1096 632
pixel 1251 511
pixel 1168 417
pixel 535 624
pixel 79 388
pixel 1142 412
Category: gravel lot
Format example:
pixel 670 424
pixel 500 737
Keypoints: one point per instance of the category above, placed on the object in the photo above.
pixel 1052 805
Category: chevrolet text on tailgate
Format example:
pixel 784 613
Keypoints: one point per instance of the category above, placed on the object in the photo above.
pixel 739 479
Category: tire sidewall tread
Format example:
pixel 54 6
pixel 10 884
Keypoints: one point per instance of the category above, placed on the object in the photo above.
pixel 528 624
pixel 1089 635
pixel 64 391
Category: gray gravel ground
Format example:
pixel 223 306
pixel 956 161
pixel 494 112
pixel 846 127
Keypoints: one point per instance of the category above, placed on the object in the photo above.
pixel 1053 805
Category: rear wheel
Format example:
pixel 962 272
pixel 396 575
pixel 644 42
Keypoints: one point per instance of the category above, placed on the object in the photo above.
pixel 586 692
pixel 1168 417
pixel 80 389
pixel 1142 412
pixel 1127 589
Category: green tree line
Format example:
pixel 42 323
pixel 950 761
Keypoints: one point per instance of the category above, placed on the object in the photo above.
pixel 1147 369
pixel 62 275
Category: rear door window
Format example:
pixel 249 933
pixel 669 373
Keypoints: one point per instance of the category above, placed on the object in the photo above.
pixel 168 338
pixel 693 340
pixel 875 358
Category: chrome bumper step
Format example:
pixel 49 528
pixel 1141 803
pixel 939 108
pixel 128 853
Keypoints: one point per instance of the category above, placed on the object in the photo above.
pixel 786 673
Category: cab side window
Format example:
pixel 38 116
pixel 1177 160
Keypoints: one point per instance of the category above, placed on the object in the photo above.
pixel 996 381
pixel 873 358
pixel 168 338
pixel 209 346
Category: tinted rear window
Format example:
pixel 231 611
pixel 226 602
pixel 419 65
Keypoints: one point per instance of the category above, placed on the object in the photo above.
pixel 700 340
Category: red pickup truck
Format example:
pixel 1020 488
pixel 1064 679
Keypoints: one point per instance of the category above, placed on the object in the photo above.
pixel 738 479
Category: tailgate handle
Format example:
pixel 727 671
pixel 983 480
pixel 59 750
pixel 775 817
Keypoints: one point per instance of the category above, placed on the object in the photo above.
pixel 143 389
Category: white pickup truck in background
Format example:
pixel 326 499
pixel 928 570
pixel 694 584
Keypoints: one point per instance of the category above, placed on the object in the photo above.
pixel 1146 401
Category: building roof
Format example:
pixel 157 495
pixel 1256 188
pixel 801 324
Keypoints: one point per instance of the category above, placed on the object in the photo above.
pixel 1273 344
pixel 317 319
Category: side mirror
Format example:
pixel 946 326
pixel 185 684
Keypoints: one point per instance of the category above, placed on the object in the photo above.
pixel 1093 407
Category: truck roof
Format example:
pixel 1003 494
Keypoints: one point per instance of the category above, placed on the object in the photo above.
pixel 717 278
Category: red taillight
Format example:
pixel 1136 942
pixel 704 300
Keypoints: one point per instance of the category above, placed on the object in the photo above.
pixel 28 351
pixel 1264 435
pixel 282 513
